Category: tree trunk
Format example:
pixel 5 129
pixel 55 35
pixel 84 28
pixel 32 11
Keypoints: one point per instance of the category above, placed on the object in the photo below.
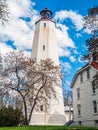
pixel 25 110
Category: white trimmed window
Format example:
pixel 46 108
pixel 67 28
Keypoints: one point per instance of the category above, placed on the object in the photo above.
pixel 93 87
pixel 78 93
pixel 88 73
pixel 81 77
pixel 79 109
pixel 95 106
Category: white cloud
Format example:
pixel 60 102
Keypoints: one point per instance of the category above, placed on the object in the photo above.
pixel 67 66
pixel 21 32
pixel 27 53
pixel 80 59
pixel 68 83
pixel 75 51
pixel 4 48
pixel 76 18
pixel 64 52
pixel 63 38
pixel 18 30
pixel 20 8
pixel 72 58
pixel 78 35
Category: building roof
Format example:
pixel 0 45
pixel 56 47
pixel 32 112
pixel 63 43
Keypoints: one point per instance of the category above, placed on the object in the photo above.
pixel 95 65
pixel 92 64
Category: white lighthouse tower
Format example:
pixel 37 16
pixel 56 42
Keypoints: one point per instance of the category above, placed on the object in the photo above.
pixel 45 46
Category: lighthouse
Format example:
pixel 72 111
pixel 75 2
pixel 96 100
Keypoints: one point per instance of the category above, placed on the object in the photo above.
pixel 45 46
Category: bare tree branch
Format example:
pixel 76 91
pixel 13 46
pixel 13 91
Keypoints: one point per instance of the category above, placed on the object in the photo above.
pixel 33 81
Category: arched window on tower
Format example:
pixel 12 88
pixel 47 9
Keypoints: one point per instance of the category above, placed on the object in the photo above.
pixel 41 108
pixel 44 24
pixel 43 47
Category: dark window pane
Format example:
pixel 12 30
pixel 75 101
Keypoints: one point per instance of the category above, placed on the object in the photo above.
pixel 95 106
pixel 78 93
pixel 93 87
pixel 79 109
pixel 44 24
pixel 43 47
pixel 41 108
pixel 88 73
pixel 81 77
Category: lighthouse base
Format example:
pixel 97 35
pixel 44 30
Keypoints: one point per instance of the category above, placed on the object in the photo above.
pixel 47 119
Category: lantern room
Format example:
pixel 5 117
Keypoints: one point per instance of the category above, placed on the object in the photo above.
pixel 46 14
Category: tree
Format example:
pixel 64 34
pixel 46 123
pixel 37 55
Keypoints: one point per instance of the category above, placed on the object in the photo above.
pixel 91 45
pixel 1 85
pixel 10 116
pixel 4 16
pixel 95 78
pixel 68 100
pixel 33 81
pixel 91 23
pixel 4 12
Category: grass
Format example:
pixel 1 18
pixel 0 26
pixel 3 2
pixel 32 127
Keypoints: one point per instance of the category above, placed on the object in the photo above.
pixel 49 128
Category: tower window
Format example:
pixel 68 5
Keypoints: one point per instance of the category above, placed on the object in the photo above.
pixel 43 47
pixel 44 24
pixel 41 108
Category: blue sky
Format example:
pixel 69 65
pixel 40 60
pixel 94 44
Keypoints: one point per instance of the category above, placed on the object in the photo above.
pixel 71 36
pixel 56 5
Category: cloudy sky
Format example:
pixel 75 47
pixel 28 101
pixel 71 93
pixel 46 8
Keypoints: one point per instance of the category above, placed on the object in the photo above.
pixel 68 14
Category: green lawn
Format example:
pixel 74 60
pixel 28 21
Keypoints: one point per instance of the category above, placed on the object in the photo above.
pixel 49 128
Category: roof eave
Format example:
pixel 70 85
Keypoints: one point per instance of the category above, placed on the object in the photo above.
pixel 76 74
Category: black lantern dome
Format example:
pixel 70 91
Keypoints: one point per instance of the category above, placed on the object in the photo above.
pixel 46 14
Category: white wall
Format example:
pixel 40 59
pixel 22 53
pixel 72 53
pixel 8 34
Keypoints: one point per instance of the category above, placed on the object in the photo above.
pixel 86 97
pixel 45 36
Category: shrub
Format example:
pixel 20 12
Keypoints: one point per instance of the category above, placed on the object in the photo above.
pixel 10 116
